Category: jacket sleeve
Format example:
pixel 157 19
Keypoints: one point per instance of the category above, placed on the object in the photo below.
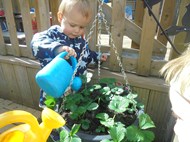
pixel 43 44
pixel 93 56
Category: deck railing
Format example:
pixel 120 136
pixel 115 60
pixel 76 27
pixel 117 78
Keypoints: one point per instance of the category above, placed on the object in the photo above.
pixel 145 55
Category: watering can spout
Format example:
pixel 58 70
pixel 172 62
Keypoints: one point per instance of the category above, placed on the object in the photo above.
pixel 31 130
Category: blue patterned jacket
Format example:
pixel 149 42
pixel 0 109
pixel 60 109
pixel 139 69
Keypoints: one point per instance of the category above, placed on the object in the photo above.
pixel 44 44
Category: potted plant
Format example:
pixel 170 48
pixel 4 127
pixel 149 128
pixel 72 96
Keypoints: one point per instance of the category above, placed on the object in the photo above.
pixel 107 111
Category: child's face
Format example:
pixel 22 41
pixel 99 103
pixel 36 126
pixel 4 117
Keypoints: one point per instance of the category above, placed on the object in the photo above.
pixel 74 23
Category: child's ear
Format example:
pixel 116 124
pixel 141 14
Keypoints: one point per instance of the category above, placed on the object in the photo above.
pixel 59 16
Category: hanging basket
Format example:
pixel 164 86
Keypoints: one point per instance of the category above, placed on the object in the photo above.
pixel 84 106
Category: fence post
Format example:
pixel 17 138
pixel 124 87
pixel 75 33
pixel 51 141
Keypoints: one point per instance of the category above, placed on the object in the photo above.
pixel 27 24
pixel 2 44
pixel 43 6
pixel 117 30
pixel 147 41
pixel 7 4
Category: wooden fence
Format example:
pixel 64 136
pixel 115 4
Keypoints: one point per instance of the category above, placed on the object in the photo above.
pixel 147 52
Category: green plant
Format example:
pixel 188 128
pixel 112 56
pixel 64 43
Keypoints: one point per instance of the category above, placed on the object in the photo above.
pixel 133 133
pixel 66 136
pixel 108 107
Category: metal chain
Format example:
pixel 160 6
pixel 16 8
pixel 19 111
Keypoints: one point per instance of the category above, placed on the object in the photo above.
pixel 115 50
pixel 100 11
pixel 100 16
pixel 83 50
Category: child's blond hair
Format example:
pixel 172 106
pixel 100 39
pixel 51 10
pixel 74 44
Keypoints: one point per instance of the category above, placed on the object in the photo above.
pixel 82 5
pixel 178 70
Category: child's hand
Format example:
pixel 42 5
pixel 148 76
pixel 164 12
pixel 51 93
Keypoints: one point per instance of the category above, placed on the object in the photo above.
pixel 71 51
pixel 103 57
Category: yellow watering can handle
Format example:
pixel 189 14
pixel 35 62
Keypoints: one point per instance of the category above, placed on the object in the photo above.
pixel 18 116
pixel 30 131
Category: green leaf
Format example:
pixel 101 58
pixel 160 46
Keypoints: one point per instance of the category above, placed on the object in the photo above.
pixel 145 122
pixel 119 91
pixel 96 86
pixel 106 88
pixel 106 140
pixel 85 124
pixel 93 106
pixel 107 80
pixel 64 134
pixel 117 133
pixel 74 129
pixel 75 139
pixel 50 102
pixel 132 95
pixel 100 129
pixel 132 133
pixel 148 136
pixel 140 105
pixel 108 93
pixel 108 123
pixel 78 112
pixel 102 116
pixel 135 134
pixel 119 104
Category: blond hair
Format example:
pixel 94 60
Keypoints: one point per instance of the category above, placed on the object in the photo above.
pixel 178 70
pixel 82 5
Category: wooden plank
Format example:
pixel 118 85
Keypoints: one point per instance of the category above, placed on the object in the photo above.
pixel 130 59
pixel 107 10
pixel 159 109
pixel 23 50
pixel 44 14
pixel 2 44
pixel 35 90
pixel 37 14
pixel 138 19
pixel 11 26
pixel 23 83
pixel 156 66
pixel 26 19
pixel 20 61
pixel 118 22
pixel 4 90
pixel 151 83
pixel 167 17
pixel 93 39
pixel 130 63
pixel 16 6
pixel 147 40
pixel 12 84
pixel 143 95
pixel 134 32
pixel 54 5
pixel 1 4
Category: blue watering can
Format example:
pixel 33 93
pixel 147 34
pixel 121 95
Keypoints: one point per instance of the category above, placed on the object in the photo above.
pixel 56 76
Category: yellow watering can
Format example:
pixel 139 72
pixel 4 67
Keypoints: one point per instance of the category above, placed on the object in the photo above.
pixel 31 130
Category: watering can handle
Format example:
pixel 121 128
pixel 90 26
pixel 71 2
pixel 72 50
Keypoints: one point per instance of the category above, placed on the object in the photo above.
pixel 73 59
pixel 19 116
